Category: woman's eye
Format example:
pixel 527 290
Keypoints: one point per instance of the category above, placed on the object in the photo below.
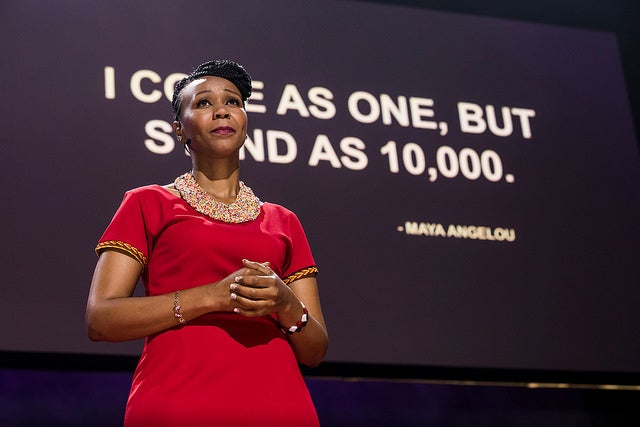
pixel 234 101
pixel 203 103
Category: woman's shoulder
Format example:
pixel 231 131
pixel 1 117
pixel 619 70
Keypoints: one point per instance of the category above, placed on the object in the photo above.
pixel 152 195
pixel 275 208
pixel 280 214
pixel 154 190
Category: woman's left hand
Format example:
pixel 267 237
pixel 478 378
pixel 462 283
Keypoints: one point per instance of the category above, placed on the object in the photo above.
pixel 261 293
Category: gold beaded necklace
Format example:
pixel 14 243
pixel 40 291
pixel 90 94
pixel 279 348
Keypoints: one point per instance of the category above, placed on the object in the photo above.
pixel 245 208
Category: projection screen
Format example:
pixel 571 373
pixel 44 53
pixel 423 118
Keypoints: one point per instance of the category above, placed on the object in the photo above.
pixel 469 185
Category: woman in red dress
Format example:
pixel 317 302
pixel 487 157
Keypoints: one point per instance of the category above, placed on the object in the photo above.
pixel 231 305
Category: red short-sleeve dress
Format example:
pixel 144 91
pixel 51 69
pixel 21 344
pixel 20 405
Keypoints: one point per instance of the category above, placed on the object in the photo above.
pixel 221 369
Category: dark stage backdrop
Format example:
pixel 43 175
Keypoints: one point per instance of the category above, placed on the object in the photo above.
pixel 469 185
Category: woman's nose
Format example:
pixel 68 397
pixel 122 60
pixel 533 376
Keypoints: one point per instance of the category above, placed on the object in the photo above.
pixel 221 113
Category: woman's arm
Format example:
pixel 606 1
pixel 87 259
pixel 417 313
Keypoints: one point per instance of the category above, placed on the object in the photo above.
pixel 264 293
pixel 114 315
pixel 309 345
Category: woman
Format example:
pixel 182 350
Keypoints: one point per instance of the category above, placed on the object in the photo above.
pixel 231 305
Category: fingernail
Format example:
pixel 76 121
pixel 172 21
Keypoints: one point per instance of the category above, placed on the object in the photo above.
pixel 237 279
pixel 236 310
pixel 234 296
pixel 233 286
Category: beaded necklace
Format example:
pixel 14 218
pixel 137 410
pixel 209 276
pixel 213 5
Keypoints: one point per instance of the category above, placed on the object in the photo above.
pixel 245 208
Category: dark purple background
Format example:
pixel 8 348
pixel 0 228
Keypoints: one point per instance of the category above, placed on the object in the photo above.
pixel 37 398
pixel 563 296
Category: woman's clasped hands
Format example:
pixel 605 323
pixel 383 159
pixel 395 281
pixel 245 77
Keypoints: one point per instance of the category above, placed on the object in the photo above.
pixel 256 290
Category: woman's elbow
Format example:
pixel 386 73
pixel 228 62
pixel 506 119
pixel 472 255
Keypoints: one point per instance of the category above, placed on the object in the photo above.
pixel 95 329
pixel 94 333
pixel 313 358
pixel 311 362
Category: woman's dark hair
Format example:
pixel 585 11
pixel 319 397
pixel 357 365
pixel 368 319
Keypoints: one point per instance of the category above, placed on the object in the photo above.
pixel 224 68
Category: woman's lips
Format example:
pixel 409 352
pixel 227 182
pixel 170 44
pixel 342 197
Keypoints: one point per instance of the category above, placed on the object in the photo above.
pixel 223 130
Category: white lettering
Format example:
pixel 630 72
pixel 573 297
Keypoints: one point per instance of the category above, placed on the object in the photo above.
pixel 470 116
pixel 524 114
pixel 109 82
pixel 256 95
pixel 322 107
pixel 370 100
pixel 291 100
pixel 472 232
pixel 472 120
pixel 418 111
pixel 354 157
pixel 399 111
pixel 136 86
pixel 254 146
pixel 291 149
pixel 507 128
pixel 160 139
pixel 323 150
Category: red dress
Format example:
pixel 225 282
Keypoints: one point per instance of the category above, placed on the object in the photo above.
pixel 221 369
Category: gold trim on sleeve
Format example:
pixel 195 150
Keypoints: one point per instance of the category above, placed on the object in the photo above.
pixel 301 274
pixel 123 247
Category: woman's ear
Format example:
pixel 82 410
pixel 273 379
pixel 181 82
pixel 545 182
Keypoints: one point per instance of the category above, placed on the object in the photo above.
pixel 177 129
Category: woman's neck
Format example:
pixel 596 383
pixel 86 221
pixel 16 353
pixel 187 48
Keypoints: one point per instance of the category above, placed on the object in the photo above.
pixel 221 183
